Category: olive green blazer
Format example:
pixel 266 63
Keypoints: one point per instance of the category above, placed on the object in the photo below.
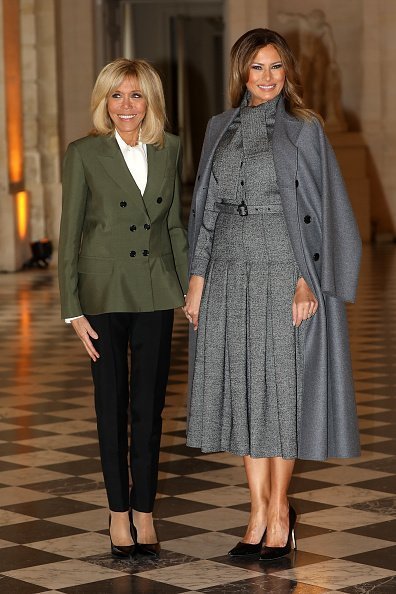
pixel 120 251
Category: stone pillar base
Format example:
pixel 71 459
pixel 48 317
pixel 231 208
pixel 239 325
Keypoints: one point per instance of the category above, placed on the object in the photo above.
pixel 351 153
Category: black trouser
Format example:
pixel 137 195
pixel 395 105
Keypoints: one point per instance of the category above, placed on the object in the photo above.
pixel 149 335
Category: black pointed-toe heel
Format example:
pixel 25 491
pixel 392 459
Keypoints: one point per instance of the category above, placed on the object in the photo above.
pixel 149 550
pixel 120 551
pixel 245 549
pixel 271 553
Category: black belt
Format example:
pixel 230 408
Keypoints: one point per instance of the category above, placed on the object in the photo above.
pixel 244 210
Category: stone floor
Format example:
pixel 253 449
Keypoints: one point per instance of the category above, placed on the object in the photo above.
pixel 53 517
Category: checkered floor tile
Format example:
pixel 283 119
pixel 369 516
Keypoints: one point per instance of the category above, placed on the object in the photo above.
pixel 53 535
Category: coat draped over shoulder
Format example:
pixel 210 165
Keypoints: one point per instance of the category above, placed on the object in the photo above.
pixel 327 248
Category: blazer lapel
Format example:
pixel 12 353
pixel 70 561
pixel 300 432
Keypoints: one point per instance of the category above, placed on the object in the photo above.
pixel 114 164
pixel 157 159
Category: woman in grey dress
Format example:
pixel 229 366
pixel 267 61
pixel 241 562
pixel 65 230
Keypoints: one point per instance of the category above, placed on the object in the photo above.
pixel 256 286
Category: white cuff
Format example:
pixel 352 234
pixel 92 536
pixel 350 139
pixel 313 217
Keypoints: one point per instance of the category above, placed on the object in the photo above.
pixel 69 320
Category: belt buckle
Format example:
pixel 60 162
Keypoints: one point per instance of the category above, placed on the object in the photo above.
pixel 242 210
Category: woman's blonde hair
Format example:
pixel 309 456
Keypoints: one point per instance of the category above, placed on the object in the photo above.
pixel 242 56
pixel 110 77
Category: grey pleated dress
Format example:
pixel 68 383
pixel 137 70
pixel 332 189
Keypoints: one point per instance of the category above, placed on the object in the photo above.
pixel 247 381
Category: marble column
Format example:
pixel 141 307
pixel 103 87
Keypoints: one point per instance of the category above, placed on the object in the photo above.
pixel 14 200
pixel 33 176
pixel 40 116
pixel 7 214
pixel 48 133
pixel 378 113
pixel 76 66
pixel 128 45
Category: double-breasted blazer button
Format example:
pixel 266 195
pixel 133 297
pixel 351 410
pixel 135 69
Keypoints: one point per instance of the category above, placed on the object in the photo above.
pixel 159 199
pixel 147 226
pixel 316 256
pixel 307 219
pixel 132 228
pixel 145 252
pixel 296 182
pixel 123 204
pixel 132 253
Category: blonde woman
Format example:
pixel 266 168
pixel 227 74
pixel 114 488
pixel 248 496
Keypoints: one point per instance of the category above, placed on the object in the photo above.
pixel 274 254
pixel 122 271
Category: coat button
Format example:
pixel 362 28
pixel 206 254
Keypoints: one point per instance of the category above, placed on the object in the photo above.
pixel 307 219
pixel 145 252
pixel 132 253
pixel 296 182
pixel 132 228
pixel 316 257
pixel 123 204
pixel 147 226
pixel 159 200
pixel 199 177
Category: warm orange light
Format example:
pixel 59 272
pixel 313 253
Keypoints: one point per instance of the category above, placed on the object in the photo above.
pixel 24 361
pixel 22 213
pixel 13 94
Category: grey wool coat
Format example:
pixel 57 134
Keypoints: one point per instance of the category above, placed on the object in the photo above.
pixel 327 249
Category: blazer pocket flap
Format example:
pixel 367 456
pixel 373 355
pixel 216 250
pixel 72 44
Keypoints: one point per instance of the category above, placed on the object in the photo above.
pixel 89 265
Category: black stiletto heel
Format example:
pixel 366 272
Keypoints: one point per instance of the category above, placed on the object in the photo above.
pixel 120 551
pixel 271 553
pixel 244 549
pixel 149 550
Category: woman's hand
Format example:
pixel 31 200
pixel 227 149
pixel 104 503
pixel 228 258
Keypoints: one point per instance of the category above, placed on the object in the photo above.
pixel 85 332
pixel 193 299
pixel 305 303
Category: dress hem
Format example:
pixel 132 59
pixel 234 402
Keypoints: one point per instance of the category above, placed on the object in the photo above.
pixel 204 450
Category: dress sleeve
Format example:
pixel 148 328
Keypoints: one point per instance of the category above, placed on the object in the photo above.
pixel 203 248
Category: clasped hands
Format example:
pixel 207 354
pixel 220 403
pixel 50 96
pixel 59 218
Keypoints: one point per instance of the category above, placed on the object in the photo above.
pixel 304 304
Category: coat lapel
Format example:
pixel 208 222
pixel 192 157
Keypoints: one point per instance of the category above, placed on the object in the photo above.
pixel 284 145
pixel 114 164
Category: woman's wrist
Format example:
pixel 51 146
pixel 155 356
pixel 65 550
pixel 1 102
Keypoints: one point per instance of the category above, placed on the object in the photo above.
pixel 196 281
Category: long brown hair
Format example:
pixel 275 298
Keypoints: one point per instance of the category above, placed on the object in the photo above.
pixel 242 55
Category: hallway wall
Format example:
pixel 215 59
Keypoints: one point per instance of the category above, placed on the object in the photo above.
pixel 61 54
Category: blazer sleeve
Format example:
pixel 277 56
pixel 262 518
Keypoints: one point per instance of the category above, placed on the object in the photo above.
pixel 177 232
pixel 74 198
pixel 342 245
